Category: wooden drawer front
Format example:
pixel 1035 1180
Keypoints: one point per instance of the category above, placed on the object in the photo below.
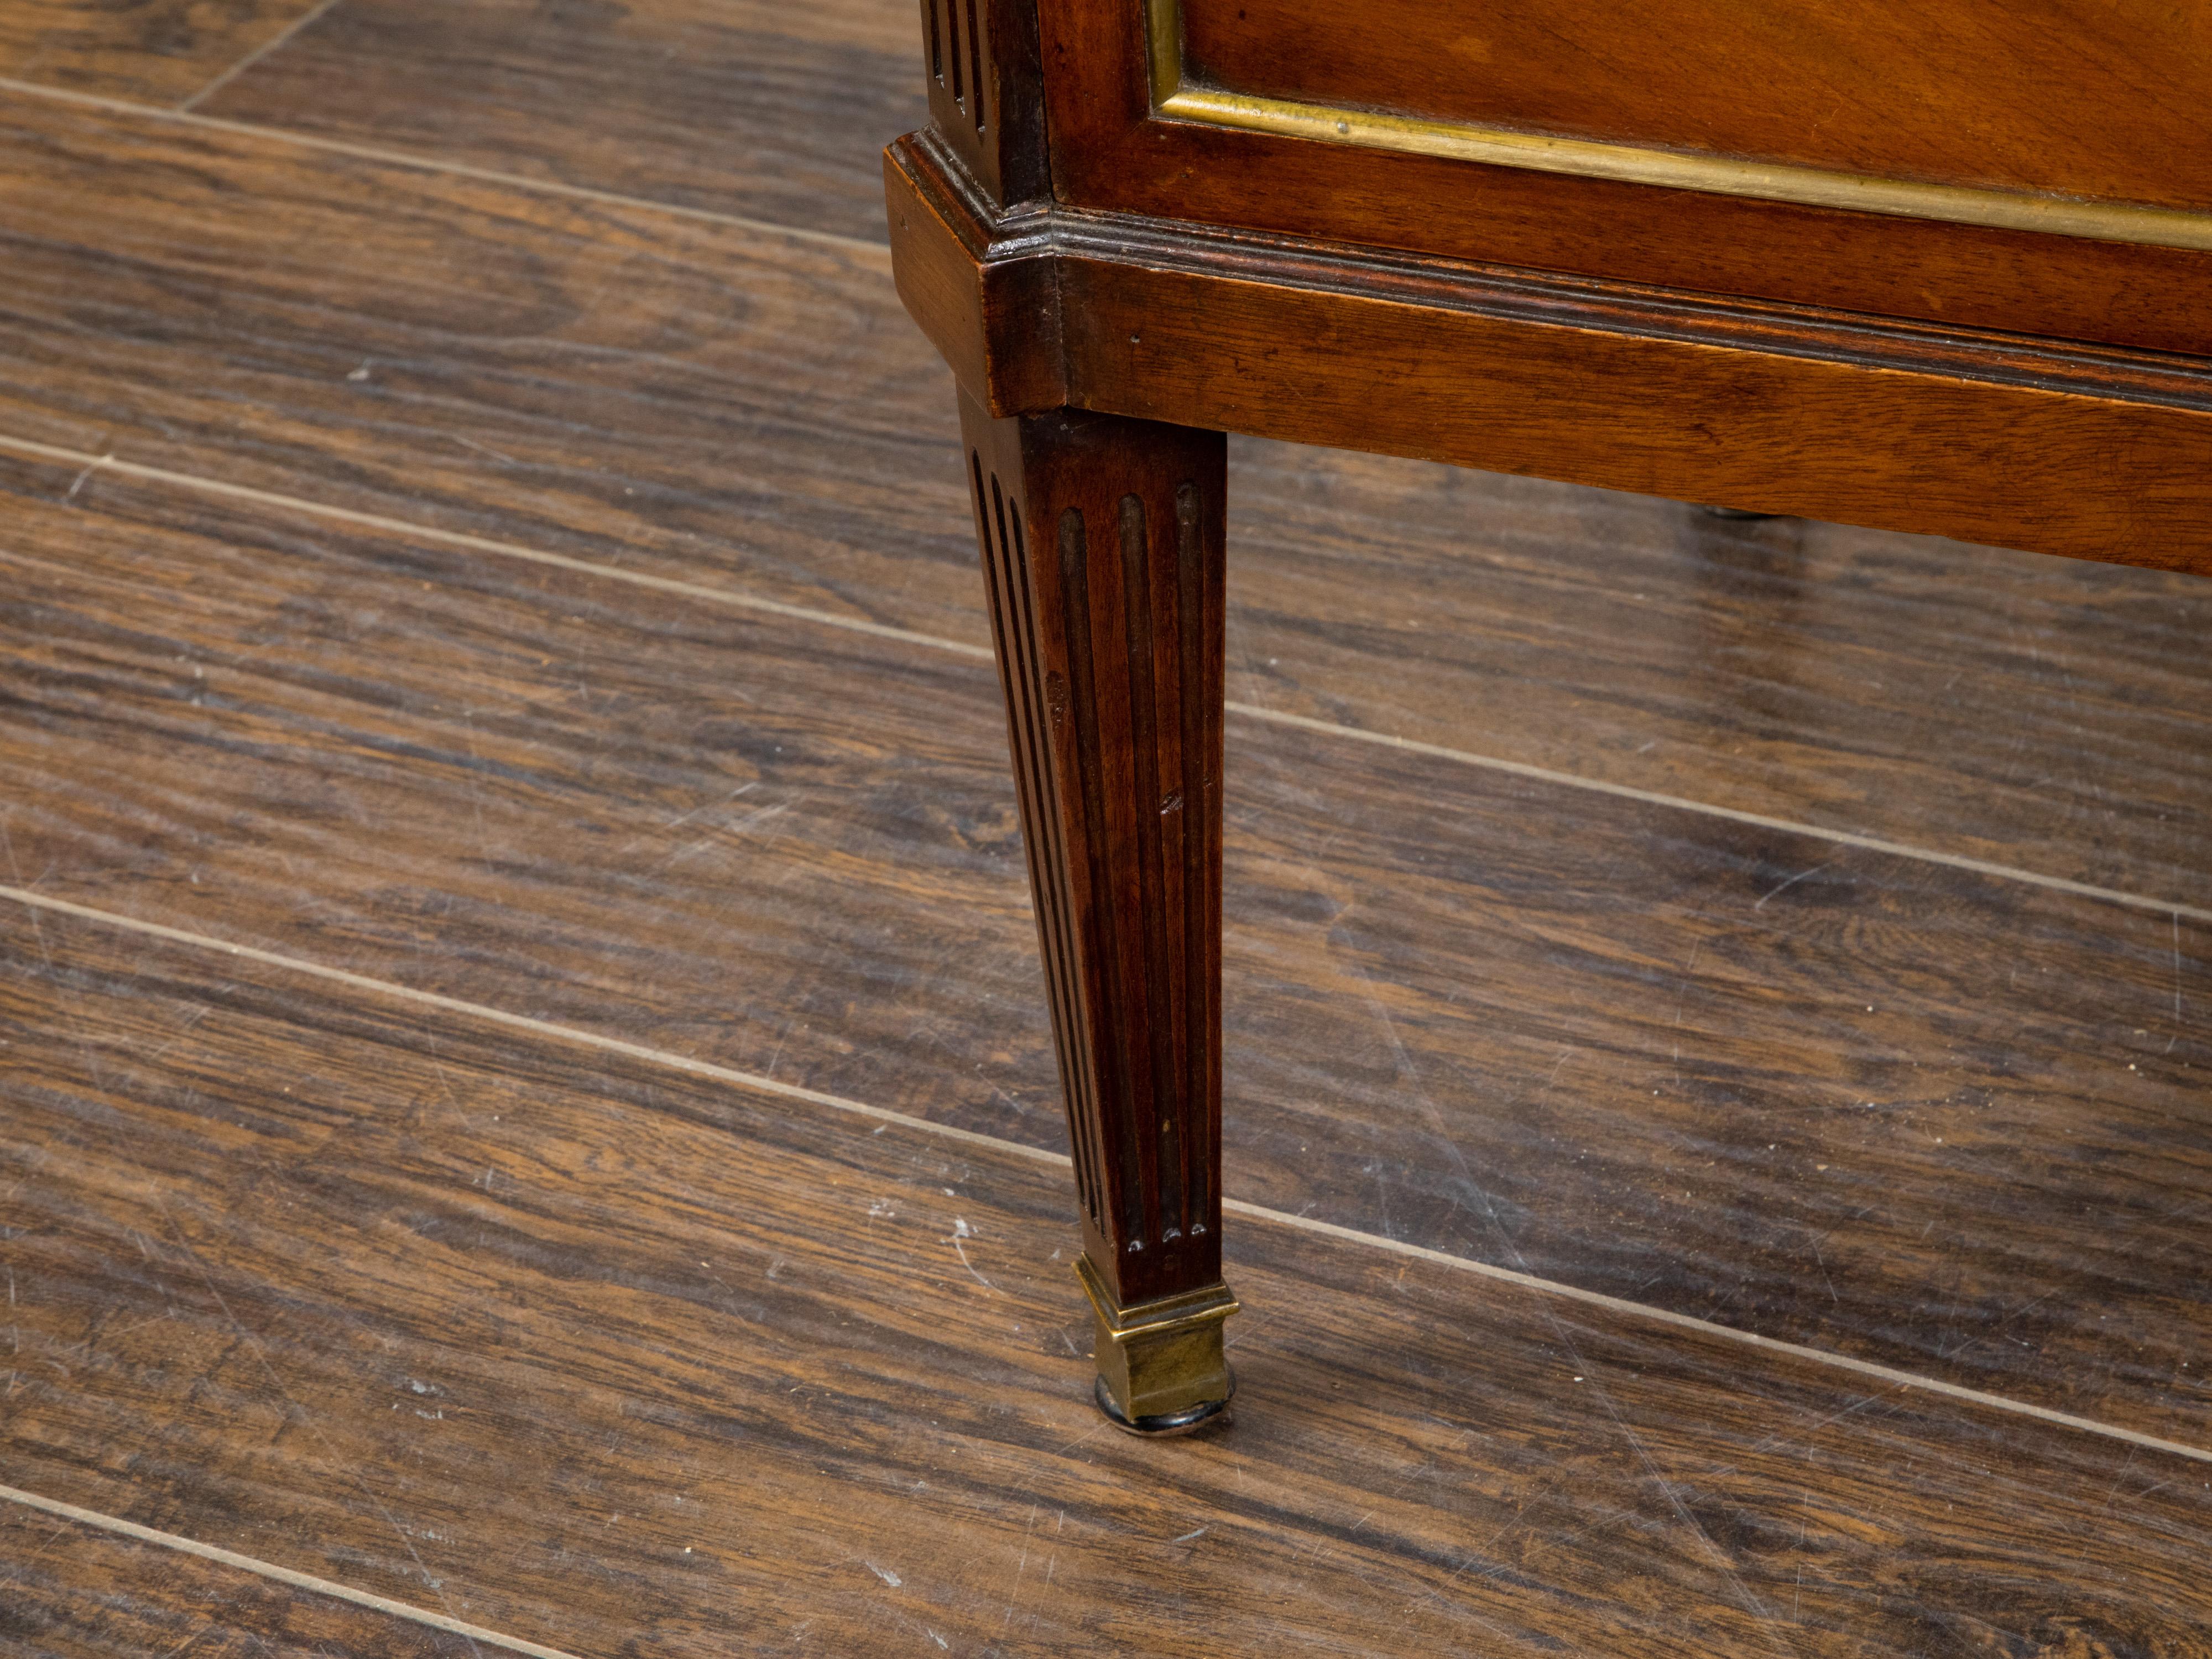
pixel 2047 171
pixel 2104 99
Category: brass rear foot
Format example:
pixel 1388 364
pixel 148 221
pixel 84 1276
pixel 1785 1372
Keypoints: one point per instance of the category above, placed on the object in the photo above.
pixel 1161 1367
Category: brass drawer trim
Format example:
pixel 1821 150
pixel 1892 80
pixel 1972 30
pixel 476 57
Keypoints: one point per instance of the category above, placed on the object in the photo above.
pixel 2058 216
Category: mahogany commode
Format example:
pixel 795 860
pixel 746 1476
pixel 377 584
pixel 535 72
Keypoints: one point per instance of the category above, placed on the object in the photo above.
pixel 1944 268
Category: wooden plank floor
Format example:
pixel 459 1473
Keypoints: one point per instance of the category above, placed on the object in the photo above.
pixel 613 1359
pixel 81 1588
pixel 481 539
pixel 1571 1034
pixel 172 52
pixel 737 106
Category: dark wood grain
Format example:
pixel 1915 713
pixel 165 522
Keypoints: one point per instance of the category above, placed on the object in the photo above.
pixel 822 832
pixel 161 51
pixel 607 1357
pixel 1103 549
pixel 2029 710
pixel 1926 1117
pixel 73 1591
pixel 2094 472
pixel 1101 545
pixel 692 399
pixel 765 111
pixel 1944 703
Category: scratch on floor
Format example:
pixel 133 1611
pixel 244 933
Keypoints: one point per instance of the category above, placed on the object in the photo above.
pixel 105 460
pixel 1013 1598
pixel 2177 968
pixel 300 1415
pixel 960 1231
pixel 1747 1599
pixel 1791 883
pixel 759 815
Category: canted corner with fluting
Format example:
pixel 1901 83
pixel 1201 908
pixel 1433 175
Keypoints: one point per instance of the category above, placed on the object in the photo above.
pixel 1893 425
pixel 985 96
pixel 981 281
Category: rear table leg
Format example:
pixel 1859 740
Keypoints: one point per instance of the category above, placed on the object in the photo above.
pixel 1102 549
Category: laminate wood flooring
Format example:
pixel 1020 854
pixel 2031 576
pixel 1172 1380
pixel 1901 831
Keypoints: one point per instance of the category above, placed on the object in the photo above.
pixel 71 1589
pixel 599 1357
pixel 674 396
pixel 502 797
pixel 1931 1119
pixel 776 113
pixel 160 51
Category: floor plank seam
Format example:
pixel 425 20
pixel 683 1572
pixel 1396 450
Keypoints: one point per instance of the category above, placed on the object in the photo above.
pixel 879 252
pixel 701 591
pixel 707 1069
pixel 282 1575
pixel 297 25
pixel 737 600
pixel 1736 815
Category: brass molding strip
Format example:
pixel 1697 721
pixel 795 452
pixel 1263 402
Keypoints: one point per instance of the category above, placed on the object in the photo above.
pixel 1717 175
pixel 1171 1316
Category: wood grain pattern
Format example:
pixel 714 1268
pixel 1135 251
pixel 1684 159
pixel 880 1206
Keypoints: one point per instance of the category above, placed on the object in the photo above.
pixel 1101 544
pixel 611 1357
pixel 1108 154
pixel 2045 95
pixel 2091 477
pixel 1929 1118
pixel 162 52
pixel 72 1591
pixel 826 830
pixel 1781 410
pixel 2030 710
pixel 742 106
pixel 2080 750
pixel 685 397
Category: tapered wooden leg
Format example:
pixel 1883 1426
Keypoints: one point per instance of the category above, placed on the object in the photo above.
pixel 1101 541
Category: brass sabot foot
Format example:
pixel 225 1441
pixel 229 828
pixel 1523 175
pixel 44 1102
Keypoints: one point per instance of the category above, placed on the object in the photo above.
pixel 1161 1366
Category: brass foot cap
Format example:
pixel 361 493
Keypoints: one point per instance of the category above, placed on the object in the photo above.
pixel 1161 1364
pixel 1167 1427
